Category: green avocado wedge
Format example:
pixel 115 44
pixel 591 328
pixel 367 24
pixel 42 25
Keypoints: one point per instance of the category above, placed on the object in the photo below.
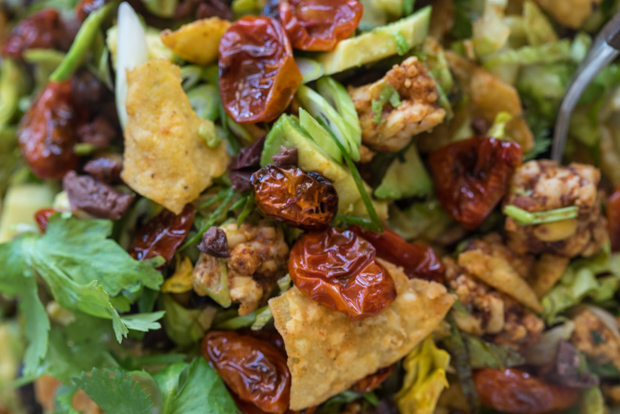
pixel 406 178
pixel 312 158
pixel 377 44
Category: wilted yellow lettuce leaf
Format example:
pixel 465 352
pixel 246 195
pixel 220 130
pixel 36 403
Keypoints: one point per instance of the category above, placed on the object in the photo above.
pixel 197 42
pixel 425 379
pixel 166 158
pixel 182 280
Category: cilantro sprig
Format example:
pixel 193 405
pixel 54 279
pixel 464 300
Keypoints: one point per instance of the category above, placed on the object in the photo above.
pixel 84 270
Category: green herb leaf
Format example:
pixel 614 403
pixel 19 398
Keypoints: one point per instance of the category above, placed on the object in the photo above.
pixel 193 388
pixel 37 326
pixel 81 266
pixel 143 322
pixel 114 392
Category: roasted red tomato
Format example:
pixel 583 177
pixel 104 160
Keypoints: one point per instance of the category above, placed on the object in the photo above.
pixel 418 260
pixel 290 195
pixel 163 234
pixel 42 217
pixel 515 392
pixel 253 369
pixel 47 132
pixel 472 176
pixel 38 31
pixel 338 269
pixel 372 381
pixel 613 219
pixel 319 25
pixel 258 75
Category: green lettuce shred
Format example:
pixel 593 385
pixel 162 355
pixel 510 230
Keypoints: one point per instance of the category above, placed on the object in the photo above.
pixel 539 28
pixel 529 55
pixel 582 281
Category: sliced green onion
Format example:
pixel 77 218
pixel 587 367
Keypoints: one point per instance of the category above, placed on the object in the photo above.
pixel 310 69
pixel 388 94
pixel 402 46
pixel 191 75
pixel 205 101
pixel 83 40
pixel 359 183
pixel 247 209
pixel 525 218
pixel 240 202
pixel 229 194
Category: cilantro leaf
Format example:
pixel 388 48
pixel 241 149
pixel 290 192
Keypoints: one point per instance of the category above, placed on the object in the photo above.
pixel 193 388
pixel 114 391
pixel 81 248
pixel 37 328
pixel 85 272
pixel 143 322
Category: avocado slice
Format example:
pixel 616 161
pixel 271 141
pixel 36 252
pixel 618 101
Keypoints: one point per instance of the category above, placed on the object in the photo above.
pixel 319 135
pixel 288 133
pixel 20 204
pixel 322 110
pixel 405 178
pixel 376 44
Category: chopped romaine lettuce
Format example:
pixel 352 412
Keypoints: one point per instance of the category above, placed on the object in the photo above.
pixel 539 29
pixel 582 281
pixel 529 55
pixel 490 32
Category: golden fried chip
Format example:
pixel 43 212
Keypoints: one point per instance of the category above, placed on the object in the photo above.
pixel 166 159
pixel 327 353
pixel 197 42
pixel 494 270
pixel 547 271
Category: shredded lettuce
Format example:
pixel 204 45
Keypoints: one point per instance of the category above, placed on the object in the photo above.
pixel 529 55
pixel 581 281
pixel 490 32
pixel 421 220
pixel 425 378
pixel 539 28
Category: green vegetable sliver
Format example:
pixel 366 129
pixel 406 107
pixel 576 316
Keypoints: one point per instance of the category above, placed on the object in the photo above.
pixel 525 218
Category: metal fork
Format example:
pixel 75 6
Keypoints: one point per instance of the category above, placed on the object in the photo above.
pixel 604 50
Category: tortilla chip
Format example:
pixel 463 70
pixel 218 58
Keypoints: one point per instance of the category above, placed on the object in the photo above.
pixel 547 271
pixel 165 158
pixel 495 270
pixel 197 42
pixel 327 353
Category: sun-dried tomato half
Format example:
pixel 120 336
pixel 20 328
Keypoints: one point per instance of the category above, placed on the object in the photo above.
pixel 305 200
pixel 318 25
pixel 417 260
pixel 163 234
pixel 613 219
pixel 47 132
pixel 472 176
pixel 253 369
pixel 258 75
pixel 372 381
pixel 38 31
pixel 337 268
pixel 516 392
pixel 42 217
